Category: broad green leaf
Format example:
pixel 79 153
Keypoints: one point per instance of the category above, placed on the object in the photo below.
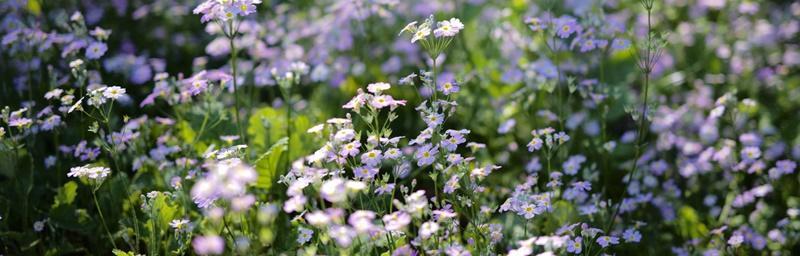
pixel 689 223
pixel 66 194
pixel 267 164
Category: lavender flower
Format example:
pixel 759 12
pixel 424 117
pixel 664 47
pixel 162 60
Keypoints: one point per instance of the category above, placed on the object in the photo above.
pixel 304 235
pixel 575 246
pixel 396 220
pixel 605 241
pixel 426 154
pixel 208 245
pixel 96 50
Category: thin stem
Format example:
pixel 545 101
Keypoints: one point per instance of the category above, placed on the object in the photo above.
pixel 433 90
pixel 641 130
pixel 103 219
pixel 525 228
pixel 288 97
pixel 234 52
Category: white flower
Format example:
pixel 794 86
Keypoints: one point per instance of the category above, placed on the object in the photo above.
pixel 39 225
pixel 75 106
pixel 76 63
pixel 456 24
pixel 113 92
pixel 448 28
pixel 411 27
pixel 95 173
pixel 428 228
pixel 316 129
pixel 378 87
pixel 421 33
pixel 179 225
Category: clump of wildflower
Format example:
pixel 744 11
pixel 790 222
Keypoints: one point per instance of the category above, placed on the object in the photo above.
pixel 225 10
pixel 96 173
pixel 227 179
pixel 208 245
pixel 442 36
pixel 546 137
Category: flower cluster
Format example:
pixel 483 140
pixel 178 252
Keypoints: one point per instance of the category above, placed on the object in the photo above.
pixel 97 173
pixel 225 10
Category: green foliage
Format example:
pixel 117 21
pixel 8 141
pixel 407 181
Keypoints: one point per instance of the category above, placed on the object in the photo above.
pixel 267 165
pixel 689 223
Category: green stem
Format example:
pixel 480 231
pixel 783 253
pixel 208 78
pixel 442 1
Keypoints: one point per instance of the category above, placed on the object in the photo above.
pixel 103 219
pixel 234 52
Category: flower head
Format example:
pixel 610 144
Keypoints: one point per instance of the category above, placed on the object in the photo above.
pixel 448 28
pixel 113 92
pixel 94 173
pixel 96 50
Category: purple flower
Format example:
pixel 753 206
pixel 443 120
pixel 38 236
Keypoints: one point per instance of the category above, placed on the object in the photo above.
pixel 506 126
pixel 566 26
pixel 225 10
pixel 208 245
pixel 396 220
pixel 605 241
pixel 362 221
pixel 342 235
pixel 294 204
pixel 736 239
pixel 96 50
pixel 404 250
pixel 51 122
pixel 750 154
pixel 588 45
pixel 786 166
pixel 448 88
pixel 385 189
pixel 582 186
pixel 451 143
pixel 620 44
pixel 304 235
pixel 434 119
pixel 392 153
pixel 535 144
pixel 365 172
pixel 350 149
pixel 573 164
pixel 451 185
pixel 530 210
pixel 334 191
pixel 535 24
pixel 574 246
pixel 426 154
pixel 632 235
pixel 371 158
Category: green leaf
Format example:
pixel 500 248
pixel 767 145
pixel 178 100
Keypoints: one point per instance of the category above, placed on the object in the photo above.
pixel 118 252
pixel 266 125
pixel 689 224
pixel 167 210
pixel 267 164
pixel 34 7
pixel 66 194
